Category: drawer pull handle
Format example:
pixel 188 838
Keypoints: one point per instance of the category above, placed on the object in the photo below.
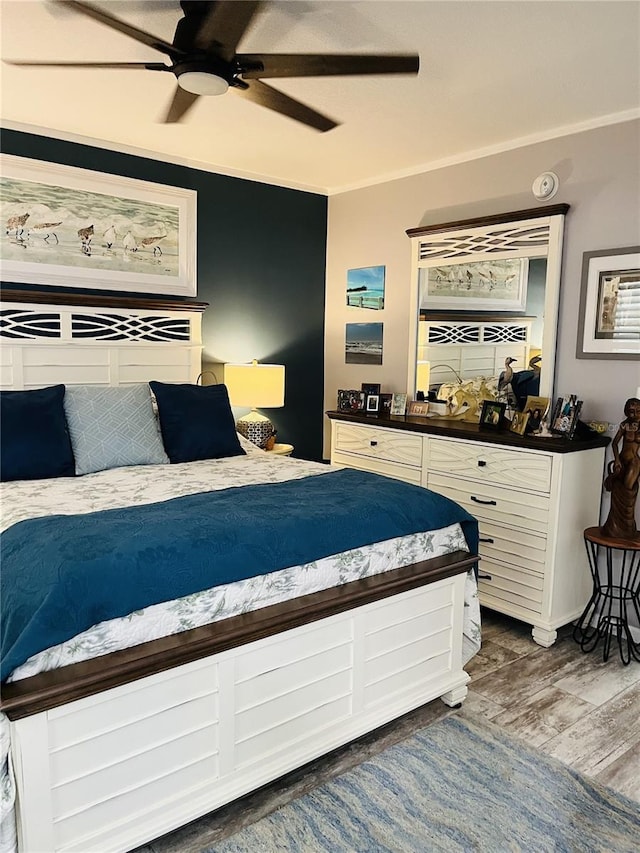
pixel 481 463
pixel 485 577
pixel 374 443
pixel 486 503
pixel 487 539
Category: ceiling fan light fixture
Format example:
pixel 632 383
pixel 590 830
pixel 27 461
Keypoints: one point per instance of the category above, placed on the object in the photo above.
pixel 202 83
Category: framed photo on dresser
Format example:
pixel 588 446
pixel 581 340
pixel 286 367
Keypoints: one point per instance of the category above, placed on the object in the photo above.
pixel 565 415
pixel 373 403
pixel 385 403
pixel 398 404
pixel 418 408
pixel 492 414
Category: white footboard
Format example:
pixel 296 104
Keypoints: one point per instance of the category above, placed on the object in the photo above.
pixel 114 770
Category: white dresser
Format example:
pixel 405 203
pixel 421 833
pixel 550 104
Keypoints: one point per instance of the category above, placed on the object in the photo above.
pixel 533 498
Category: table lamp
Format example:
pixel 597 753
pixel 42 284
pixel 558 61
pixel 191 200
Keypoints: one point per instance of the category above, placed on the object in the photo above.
pixel 423 370
pixel 255 386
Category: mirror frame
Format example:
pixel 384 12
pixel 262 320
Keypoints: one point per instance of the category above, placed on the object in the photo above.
pixel 534 233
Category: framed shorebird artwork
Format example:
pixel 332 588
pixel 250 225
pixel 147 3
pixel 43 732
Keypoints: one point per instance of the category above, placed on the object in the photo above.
pixel 78 228
pixel 497 284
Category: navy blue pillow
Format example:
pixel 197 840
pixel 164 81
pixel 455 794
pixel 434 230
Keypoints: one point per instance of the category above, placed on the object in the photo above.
pixel 34 440
pixel 196 422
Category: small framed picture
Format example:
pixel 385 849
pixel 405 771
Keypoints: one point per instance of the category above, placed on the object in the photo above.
pixel 519 422
pixel 385 404
pixel 359 401
pixel 373 403
pixel 370 387
pixel 541 403
pixel 344 401
pixel 534 422
pixel 418 408
pixel 565 415
pixel 398 404
pixel 350 401
pixel 492 414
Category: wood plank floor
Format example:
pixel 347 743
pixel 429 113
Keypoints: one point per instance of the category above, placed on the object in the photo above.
pixel 571 705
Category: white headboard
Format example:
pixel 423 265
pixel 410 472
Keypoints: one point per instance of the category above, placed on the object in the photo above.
pixel 51 338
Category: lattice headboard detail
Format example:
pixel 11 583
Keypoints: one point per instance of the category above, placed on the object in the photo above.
pixel 472 347
pixel 517 240
pixel 50 338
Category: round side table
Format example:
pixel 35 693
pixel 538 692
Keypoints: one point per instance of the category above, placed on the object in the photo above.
pixel 282 449
pixel 612 596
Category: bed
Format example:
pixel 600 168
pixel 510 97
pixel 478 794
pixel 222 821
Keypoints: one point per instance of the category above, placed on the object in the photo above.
pixel 133 723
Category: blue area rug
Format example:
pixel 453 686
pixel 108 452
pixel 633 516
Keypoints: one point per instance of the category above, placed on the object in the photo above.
pixel 455 786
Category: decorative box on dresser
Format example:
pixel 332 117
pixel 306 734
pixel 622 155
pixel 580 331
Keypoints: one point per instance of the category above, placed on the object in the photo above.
pixel 533 498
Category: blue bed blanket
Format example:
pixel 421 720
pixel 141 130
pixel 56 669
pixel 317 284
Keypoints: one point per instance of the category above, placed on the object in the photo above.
pixel 62 574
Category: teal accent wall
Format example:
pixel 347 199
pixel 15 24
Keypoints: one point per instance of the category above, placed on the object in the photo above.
pixel 261 267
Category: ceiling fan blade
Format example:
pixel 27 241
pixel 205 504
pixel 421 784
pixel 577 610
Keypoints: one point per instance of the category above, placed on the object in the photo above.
pixel 224 25
pixel 180 105
pixel 117 24
pixel 142 66
pixel 320 65
pixel 273 99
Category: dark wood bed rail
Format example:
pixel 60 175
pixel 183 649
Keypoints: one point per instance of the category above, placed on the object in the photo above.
pixel 66 684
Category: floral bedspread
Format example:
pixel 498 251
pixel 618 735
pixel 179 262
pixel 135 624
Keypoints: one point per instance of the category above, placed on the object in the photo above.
pixel 138 485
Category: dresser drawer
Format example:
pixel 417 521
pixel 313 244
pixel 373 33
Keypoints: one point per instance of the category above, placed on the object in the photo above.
pixel 495 504
pixel 383 444
pixel 507 584
pixel 519 548
pixel 491 464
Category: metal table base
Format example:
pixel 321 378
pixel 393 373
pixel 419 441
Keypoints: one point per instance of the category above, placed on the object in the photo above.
pixel 614 595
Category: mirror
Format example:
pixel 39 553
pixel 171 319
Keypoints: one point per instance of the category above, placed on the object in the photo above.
pixel 485 296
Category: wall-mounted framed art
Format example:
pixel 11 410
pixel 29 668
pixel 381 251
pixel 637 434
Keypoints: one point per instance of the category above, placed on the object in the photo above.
pixel 365 287
pixel 487 285
pixel 609 319
pixel 363 343
pixel 79 228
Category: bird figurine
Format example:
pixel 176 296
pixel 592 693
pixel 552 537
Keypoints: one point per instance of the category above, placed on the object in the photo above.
pixel 506 375
pixel 535 363
pixel 505 389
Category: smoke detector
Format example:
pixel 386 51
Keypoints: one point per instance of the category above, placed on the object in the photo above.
pixel 545 186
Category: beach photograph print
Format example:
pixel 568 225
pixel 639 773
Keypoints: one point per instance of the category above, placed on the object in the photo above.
pixel 365 288
pixel 363 343
pixel 104 231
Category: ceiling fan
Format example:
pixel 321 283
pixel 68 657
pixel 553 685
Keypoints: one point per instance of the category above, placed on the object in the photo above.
pixel 204 60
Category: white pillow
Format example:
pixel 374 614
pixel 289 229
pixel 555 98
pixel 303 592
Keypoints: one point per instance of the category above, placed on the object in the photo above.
pixel 111 427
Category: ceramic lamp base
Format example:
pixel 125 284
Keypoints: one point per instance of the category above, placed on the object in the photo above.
pixel 256 428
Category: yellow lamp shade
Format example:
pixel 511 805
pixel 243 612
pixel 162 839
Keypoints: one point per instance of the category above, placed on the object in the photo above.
pixel 423 369
pixel 256 386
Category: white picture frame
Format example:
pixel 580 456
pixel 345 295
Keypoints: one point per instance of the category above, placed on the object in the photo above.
pixel 602 334
pixel 398 404
pixel 74 227
pixel 491 284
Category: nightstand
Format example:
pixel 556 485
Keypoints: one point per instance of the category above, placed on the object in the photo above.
pixel 282 449
pixel 613 598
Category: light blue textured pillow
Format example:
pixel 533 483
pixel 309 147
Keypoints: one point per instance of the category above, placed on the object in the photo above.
pixel 112 427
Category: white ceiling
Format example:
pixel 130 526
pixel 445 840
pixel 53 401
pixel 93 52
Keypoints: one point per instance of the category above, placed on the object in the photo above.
pixel 493 75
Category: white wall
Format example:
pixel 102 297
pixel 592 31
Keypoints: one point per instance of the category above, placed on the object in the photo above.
pixel 599 173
